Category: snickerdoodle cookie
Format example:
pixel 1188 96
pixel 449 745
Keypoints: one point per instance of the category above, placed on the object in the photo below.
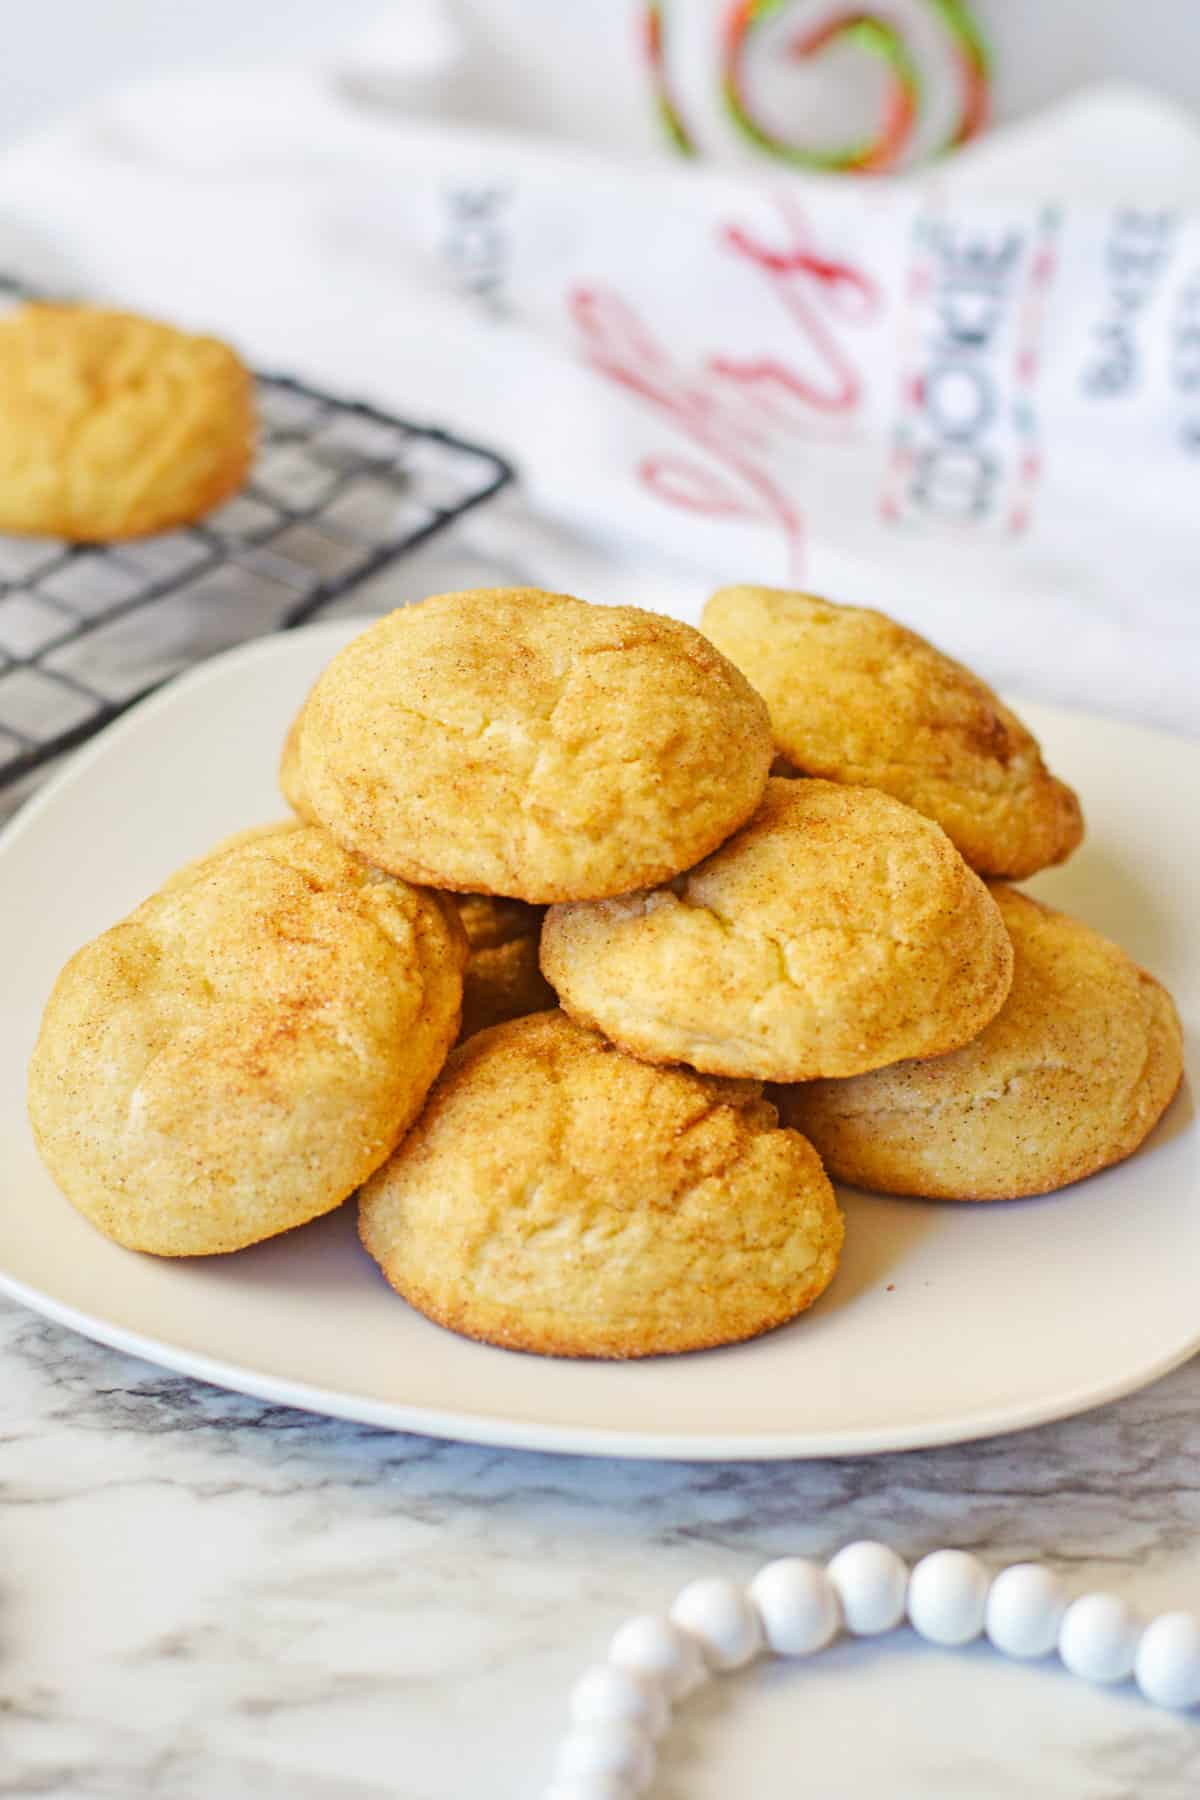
pixel 237 840
pixel 839 930
pixel 113 425
pixel 856 697
pixel 1070 1076
pixel 510 741
pixel 238 1054
pixel 560 1197
pixel 502 979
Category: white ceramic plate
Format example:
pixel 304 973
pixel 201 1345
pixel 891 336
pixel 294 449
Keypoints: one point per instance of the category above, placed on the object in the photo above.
pixel 944 1322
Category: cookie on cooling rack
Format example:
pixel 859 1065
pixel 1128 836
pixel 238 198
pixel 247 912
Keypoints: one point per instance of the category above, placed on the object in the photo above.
pixel 560 1197
pixel 855 697
pixel 509 741
pixel 112 426
pixel 839 930
pixel 238 1055
pixel 1070 1076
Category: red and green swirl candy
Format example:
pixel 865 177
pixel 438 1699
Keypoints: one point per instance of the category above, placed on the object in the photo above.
pixel 878 33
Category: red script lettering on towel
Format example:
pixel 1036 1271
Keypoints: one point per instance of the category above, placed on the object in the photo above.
pixel 739 412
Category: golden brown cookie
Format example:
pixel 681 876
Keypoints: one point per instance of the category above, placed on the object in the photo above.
pixel 510 741
pixel 291 784
pixel 112 426
pixel 839 930
pixel 857 698
pixel 237 840
pixel 559 1197
pixel 502 978
pixel 238 1054
pixel 1070 1075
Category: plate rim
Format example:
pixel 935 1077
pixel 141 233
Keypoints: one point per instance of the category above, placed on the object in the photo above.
pixel 590 1441
pixel 506 1432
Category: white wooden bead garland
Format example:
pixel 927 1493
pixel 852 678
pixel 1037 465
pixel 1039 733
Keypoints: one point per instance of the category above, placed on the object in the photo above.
pixel 723 1620
pixel 794 1607
pixel 947 1597
pixel 872 1585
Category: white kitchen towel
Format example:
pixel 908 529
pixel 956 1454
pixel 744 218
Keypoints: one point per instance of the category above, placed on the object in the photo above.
pixel 981 415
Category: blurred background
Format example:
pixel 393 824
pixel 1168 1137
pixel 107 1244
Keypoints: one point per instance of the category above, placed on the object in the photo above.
pixel 577 67
pixel 970 397
pixel 66 52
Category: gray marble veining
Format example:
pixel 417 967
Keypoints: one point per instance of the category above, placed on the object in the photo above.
pixel 206 1595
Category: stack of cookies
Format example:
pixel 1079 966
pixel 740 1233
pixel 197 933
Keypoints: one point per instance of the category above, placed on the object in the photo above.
pixel 639 873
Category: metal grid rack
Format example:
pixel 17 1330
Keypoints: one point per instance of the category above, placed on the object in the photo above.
pixel 338 491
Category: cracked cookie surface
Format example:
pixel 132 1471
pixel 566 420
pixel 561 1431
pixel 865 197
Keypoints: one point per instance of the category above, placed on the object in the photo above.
pixel 509 741
pixel 242 1050
pixel 112 426
pixel 558 1196
pixel 502 979
pixel 858 698
pixel 836 932
pixel 1070 1076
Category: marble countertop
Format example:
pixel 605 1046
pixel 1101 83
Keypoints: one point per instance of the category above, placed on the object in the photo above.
pixel 203 1597
pixel 206 1598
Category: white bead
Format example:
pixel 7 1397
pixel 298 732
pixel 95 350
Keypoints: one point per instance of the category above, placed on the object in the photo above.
pixel 797 1604
pixel 588 1787
pixel 871 1583
pixel 1168 1661
pixel 617 1749
pixel 1098 1638
pixel 947 1597
pixel 651 1645
pixel 1025 1610
pixel 721 1619
pixel 606 1692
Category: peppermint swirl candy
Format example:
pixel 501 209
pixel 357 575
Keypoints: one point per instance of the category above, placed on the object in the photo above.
pixel 924 60
pixel 655 40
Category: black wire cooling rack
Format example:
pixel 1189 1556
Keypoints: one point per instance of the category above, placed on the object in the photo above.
pixel 338 491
